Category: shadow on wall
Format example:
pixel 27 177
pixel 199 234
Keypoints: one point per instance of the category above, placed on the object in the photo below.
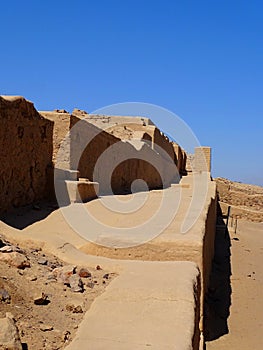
pixel 218 297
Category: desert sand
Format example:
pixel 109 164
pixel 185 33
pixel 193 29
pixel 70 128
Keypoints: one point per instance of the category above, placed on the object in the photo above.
pixel 245 321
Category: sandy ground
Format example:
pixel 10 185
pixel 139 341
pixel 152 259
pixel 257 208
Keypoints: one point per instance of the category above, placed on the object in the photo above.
pixel 52 325
pixel 244 326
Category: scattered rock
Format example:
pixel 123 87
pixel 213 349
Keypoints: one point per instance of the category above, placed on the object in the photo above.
pixel 98 267
pixel 42 261
pixel 235 239
pixel 36 250
pixel 9 335
pixel 62 274
pixel 46 328
pixel 53 265
pixel 106 276
pixel 76 284
pixel 4 296
pixel 75 309
pixel 41 300
pixel 78 310
pixel 84 273
pixel 15 259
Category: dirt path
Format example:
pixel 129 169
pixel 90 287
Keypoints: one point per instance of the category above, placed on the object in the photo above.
pixel 245 322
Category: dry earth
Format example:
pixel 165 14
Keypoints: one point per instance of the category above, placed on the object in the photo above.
pixel 52 324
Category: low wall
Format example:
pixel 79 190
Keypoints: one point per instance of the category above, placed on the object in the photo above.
pixel 25 152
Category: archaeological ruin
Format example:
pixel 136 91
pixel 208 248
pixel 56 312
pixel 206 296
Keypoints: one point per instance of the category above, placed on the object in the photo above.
pixel 78 159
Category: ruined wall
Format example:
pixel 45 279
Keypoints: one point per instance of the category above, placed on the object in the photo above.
pixel 162 141
pixel 180 158
pixel 202 159
pixel 25 152
pixel 106 154
pixel 128 128
pixel 61 122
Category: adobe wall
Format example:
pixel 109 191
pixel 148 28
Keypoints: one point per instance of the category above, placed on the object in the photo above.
pixel 162 141
pixel 127 128
pixel 126 160
pixel 180 158
pixel 61 120
pixel 25 152
pixel 202 159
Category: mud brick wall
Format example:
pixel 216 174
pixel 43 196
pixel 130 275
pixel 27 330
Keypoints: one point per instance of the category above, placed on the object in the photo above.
pixel 25 152
pixel 202 159
pixel 137 163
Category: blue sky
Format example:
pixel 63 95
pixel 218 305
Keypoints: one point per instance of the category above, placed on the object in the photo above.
pixel 200 59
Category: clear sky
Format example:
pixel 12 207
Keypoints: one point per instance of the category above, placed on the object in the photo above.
pixel 203 60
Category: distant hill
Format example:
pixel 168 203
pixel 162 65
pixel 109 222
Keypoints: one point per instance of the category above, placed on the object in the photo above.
pixel 246 201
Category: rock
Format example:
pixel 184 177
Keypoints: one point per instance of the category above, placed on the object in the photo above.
pixel 7 249
pixel 9 335
pixel 78 310
pixel 53 265
pixel 70 307
pixel 62 274
pixel 42 261
pixel 76 305
pixel 84 273
pixel 74 309
pixel 32 278
pixel 4 296
pixel 90 285
pixel 15 259
pixel 41 300
pixel 106 276
pixel 36 250
pixel 46 328
pixel 66 336
pixel 51 278
pixel 76 284
pixel 98 267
